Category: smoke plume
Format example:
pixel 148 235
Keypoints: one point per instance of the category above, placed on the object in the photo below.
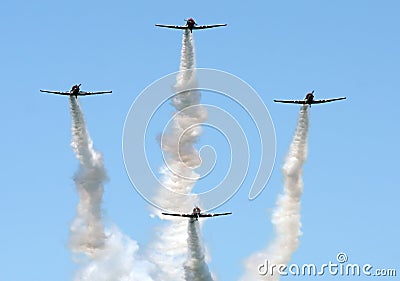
pixel 286 216
pixel 107 254
pixel 196 268
pixel 87 230
pixel 170 250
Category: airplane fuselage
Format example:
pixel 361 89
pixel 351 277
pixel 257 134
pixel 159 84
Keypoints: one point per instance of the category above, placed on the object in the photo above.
pixel 190 24
pixel 75 90
pixel 196 213
pixel 309 98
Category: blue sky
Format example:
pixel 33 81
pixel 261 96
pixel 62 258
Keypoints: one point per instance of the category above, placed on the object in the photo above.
pixel 282 49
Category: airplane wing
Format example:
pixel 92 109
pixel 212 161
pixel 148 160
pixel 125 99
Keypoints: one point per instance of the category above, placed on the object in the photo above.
pixel 180 215
pixel 291 101
pixel 56 92
pixel 194 216
pixel 173 26
pixel 213 215
pixel 328 100
pixel 81 93
pixel 208 26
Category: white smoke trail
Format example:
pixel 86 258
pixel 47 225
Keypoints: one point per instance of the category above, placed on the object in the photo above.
pixel 110 255
pixel 286 216
pixel 196 268
pixel 171 248
pixel 87 230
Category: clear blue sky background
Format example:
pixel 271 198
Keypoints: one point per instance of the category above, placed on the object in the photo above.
pixel 281 48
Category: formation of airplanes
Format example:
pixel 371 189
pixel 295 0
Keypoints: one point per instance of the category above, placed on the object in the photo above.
pixel 196 214
pixel 190 24
pixel 76 91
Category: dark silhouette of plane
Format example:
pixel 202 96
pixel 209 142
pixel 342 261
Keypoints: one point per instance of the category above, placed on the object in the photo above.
pixel 191 24
pixel 309 99
pixel 76 91
pixel 196 214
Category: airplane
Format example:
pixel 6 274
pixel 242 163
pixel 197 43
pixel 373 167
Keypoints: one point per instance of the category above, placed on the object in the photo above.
pixel 76 91
pixel 190 24
pixel 309 99
pixel 196 214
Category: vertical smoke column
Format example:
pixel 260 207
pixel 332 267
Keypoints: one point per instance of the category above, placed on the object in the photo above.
pixel 286 216
pixel 111 256
pixel 196 268
pixel 171 248
pixel 87 230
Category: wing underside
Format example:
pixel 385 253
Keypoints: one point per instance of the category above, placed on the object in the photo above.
pixel 180 215
pixel 187 27
pixel 196 216
pixel 291 101
pixel 172 26
pixel 56 92
pixel 93 93
pixel 208 26
pixel 78 94
pixel 213 215
pixel 305 101
pixel 327 100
